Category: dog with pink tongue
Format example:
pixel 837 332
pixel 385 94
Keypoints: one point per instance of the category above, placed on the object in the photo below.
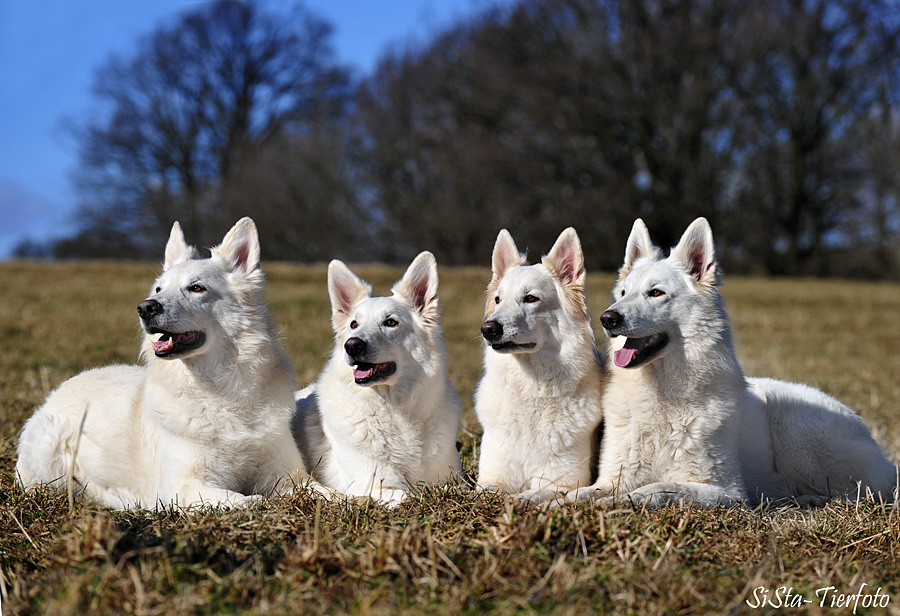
pixel 205 421
pixel 682 422
pixel 383 417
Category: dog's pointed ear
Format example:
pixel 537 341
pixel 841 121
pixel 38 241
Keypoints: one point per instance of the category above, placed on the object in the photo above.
pixel 505 257
pixel 419 286
pixel 240 248
pixel 346 290
pixel 566 260
pixel 639 246
pixel 696 250
pixel 177 250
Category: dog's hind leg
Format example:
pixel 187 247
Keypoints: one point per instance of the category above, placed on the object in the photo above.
pixel 688 493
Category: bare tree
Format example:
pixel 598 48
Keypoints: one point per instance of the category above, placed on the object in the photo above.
pixel 191 110
pixel 805 72
pixel 427 162
pixel 300 191
pixel 872 244
pixel 593 112
pixel 549 114
pixel 776 119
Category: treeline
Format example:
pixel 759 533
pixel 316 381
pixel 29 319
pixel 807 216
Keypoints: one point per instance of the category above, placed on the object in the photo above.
pixel 776 119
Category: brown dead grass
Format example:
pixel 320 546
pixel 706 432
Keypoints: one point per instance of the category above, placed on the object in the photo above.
pixel 445 550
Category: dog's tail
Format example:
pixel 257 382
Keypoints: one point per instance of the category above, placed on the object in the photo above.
pixel 47 450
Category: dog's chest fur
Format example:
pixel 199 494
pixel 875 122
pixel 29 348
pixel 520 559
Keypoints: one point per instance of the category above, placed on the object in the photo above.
pixel 235 433
pixel 532 407
pixel 556 417
pixel 650 437
pixel 366 433
pixel 541 391
pixel 370 427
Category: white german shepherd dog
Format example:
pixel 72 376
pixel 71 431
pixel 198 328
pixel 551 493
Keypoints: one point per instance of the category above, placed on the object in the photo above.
pixel 539 398
pixel 682 421
pixel 382 416
pixel 205 421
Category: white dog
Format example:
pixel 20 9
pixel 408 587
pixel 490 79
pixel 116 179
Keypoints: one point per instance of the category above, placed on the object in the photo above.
pixel 539 398
pixel 206 420
pixel 682 421
pixel 383 416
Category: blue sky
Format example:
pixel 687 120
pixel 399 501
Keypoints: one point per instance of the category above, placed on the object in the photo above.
pixel 49 50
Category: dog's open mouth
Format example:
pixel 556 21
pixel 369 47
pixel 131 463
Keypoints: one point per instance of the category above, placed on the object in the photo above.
pixel 507 347
pixel 638 351
pixel 170 343
pixel 364 373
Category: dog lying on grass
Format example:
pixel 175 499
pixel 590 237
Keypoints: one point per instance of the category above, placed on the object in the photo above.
pixel 683 424
pixel 205 420
pixel 539 398
pixel 382 416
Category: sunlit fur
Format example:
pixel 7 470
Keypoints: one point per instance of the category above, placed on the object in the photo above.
pixel 383 438
pixel 540 405
pixel 209 426
pixel 686 425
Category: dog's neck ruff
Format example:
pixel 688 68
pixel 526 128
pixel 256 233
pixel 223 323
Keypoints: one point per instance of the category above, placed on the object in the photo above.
pixel 689 367
pixel 554 372
pixel 232 371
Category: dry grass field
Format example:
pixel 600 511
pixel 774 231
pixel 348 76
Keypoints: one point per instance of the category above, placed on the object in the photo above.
pixel 445 550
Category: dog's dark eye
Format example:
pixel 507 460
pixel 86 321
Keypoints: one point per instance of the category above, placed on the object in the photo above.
pixel 623 292
pixel 655 293
pixel 158 289
pixel 353 324
pixel 530 299
pixel 196 288
pixel 390 323
pixel 497 300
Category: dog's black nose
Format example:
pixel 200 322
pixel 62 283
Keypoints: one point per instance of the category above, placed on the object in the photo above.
pixel 149 308
pixel 491 330
pixel 611 319
pixel 355 346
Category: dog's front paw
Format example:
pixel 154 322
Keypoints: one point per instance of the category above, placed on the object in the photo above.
pixel 550 496
pixel 316 488
pixel 580 495
pixel 487 486
pixel 584 494
pixel 390 498
pixel 656 495
pixel 241 501
pixel 216 498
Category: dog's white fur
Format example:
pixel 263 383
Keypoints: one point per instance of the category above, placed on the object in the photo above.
pixel 684 424
pixel 210 425
pixel 384 437
pixel 539 398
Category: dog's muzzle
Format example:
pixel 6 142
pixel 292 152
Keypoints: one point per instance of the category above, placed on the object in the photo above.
pixel 611 320
pixel 492 331
pixel 366 373
pixel 636 351
pixel 149 308
pixel 170 344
